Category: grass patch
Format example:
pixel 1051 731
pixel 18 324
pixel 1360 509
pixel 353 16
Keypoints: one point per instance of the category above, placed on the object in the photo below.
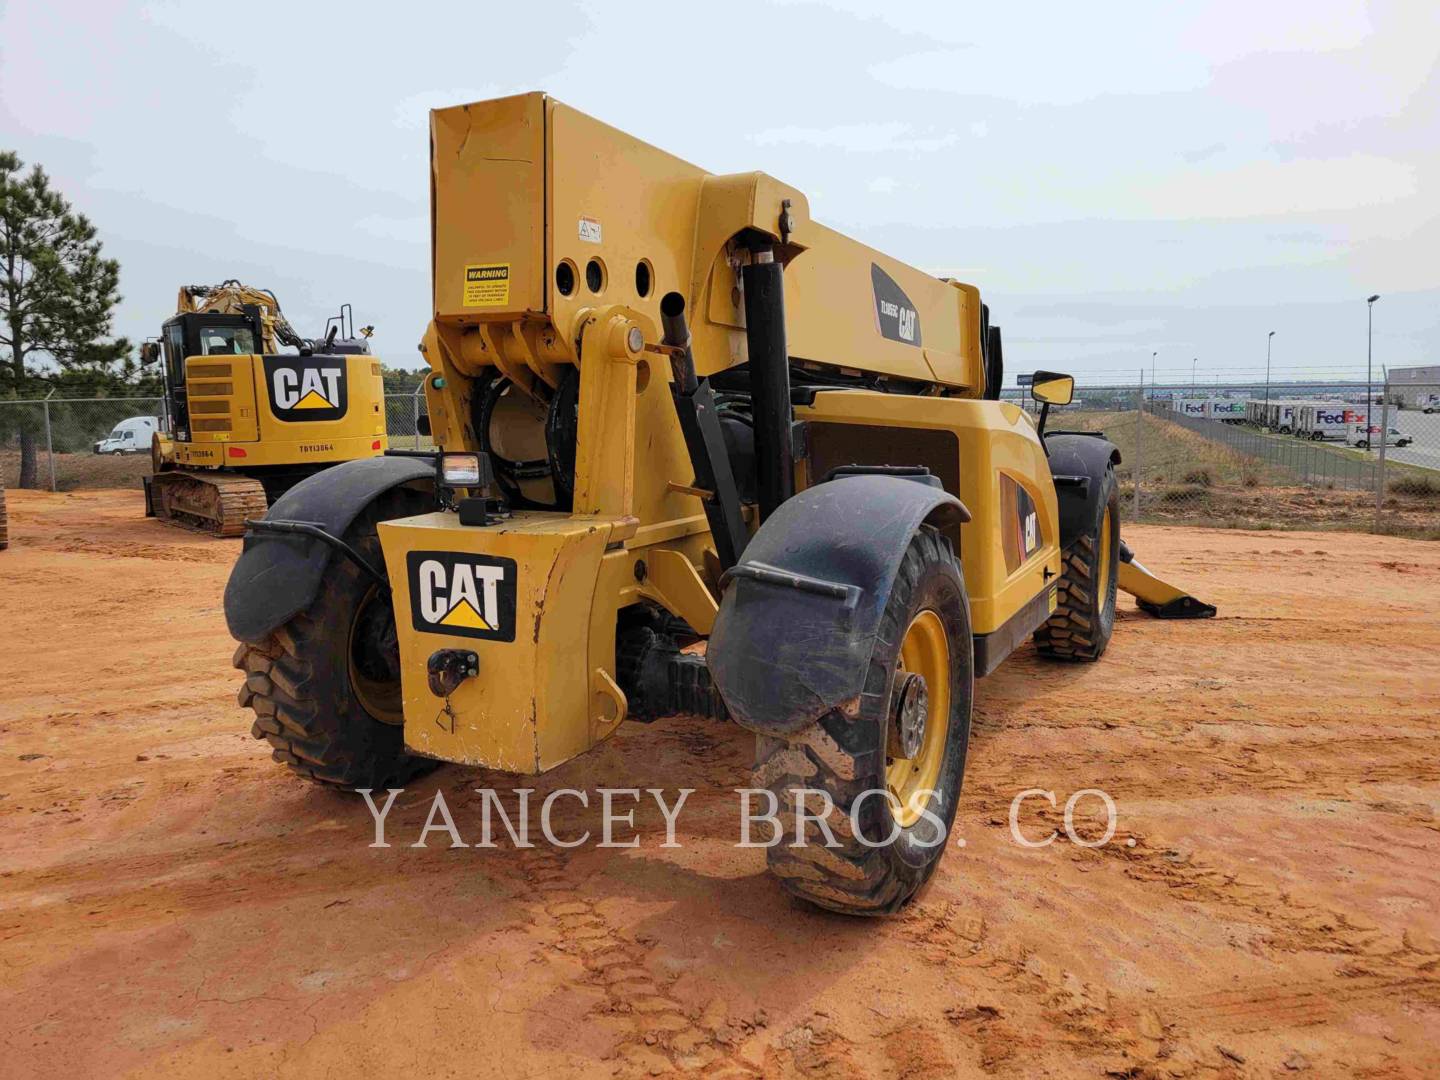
pixel 1419 487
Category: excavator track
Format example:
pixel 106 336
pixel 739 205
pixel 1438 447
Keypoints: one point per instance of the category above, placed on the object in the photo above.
pixel 214 503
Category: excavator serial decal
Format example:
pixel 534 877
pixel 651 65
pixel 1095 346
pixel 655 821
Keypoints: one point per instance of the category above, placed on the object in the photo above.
pixel 468 595
pixel 307 387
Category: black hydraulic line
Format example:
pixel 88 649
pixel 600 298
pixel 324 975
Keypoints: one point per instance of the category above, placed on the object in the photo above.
pixel 311 529
pixel 700 423
pixel 769 367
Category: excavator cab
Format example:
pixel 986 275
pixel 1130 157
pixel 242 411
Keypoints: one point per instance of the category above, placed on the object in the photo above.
pixel 201 334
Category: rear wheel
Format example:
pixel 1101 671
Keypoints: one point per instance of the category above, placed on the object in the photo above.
pixel 892 772
pixel 1084 617
pixel 325 687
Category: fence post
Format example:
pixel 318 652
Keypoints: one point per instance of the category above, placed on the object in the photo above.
pixel 49 440
pixel 1380 469
pixel 1139 436
pixel 415 419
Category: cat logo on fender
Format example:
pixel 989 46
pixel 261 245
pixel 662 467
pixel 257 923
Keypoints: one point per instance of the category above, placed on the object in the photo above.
pixel 307 387
pixel 468 595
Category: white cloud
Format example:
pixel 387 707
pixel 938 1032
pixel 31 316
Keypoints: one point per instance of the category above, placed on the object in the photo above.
pixel 874 138
pixel 1276 189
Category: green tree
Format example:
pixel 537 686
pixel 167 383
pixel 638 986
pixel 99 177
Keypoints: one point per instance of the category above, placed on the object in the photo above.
pixel 57 296
pixel 401 380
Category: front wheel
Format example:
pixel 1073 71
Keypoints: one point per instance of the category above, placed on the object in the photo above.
pixel 1084 617
pixel 888 778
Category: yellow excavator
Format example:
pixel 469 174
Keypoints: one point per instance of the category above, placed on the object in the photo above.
pixel 698 454
pixel 248 421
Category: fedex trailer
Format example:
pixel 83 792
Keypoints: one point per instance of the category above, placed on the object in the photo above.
pixel 1326 419
pixel 1226 410
pixel 1279 415
pixel 1192 408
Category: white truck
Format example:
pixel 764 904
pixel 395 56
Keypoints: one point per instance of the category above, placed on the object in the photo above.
pixel 1365 437
pixel 131 436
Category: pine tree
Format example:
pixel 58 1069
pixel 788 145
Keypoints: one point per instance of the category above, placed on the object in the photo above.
pixel 57 295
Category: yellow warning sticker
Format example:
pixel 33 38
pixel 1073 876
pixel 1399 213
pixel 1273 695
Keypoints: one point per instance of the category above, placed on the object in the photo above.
pixel 487 285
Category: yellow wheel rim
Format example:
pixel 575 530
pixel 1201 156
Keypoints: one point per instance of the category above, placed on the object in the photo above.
pixel 1103 584
pixel 925 651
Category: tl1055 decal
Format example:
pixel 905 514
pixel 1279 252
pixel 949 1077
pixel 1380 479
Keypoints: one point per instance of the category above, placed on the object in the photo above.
pixel 895 315
pixel 468 595
pixel 307 387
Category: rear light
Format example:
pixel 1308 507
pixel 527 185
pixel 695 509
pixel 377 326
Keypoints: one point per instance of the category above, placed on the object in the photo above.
pixel 375 445
pixel 460 470
pixel 235 451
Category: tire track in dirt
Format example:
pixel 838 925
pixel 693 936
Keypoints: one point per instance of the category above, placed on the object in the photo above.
pixel 1374 966
pixel 1080 1013
pixel 663 1037
pixel 1314 766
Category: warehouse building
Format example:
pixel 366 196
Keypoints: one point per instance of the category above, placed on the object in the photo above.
pixel 1415 387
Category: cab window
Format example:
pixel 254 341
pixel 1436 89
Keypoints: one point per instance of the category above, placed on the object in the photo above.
pixel 175 354
pixel 226 341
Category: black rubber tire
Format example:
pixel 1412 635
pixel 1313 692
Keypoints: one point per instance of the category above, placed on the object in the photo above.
pixel 846 756
pixel 298 682
pixel 1079 628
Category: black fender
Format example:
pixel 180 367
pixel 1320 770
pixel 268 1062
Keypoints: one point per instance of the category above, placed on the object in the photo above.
pixel 277 576
pixel 1078 463
pixel 798 622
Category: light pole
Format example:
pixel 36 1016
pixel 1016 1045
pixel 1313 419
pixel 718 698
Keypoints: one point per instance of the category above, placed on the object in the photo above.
pixel 1369 353
pixel 1267 373
pixel 1152 373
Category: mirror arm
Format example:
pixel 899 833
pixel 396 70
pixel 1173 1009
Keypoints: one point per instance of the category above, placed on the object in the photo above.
pixel 1040 427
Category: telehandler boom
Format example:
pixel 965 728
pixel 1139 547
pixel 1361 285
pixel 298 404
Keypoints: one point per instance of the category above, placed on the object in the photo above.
pixel 672 408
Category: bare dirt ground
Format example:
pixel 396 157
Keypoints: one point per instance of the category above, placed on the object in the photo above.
pixel 173 903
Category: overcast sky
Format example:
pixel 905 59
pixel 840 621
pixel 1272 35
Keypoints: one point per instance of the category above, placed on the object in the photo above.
pixel 1117 178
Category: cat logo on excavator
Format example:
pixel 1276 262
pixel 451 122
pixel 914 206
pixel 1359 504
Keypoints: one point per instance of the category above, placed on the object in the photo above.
pixel 306 387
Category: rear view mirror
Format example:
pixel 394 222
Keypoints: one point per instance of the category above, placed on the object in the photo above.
pixel 1052 388
pixel 149 352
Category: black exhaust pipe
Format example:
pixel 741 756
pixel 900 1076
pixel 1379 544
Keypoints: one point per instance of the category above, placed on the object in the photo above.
pixel 764 283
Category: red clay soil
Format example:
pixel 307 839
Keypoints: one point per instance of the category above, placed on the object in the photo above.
pixel 174 903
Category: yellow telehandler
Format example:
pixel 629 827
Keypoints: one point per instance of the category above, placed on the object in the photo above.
pixel 247 421
pixel 670 408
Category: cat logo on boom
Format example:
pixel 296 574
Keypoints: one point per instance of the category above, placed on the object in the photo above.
pixel 466 595
pixel 307 387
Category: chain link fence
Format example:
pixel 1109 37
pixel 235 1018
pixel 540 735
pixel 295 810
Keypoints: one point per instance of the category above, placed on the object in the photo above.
pixel 1294 457
pixel 66 444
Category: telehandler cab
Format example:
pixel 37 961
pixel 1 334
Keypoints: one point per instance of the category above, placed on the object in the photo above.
pixel 670 407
